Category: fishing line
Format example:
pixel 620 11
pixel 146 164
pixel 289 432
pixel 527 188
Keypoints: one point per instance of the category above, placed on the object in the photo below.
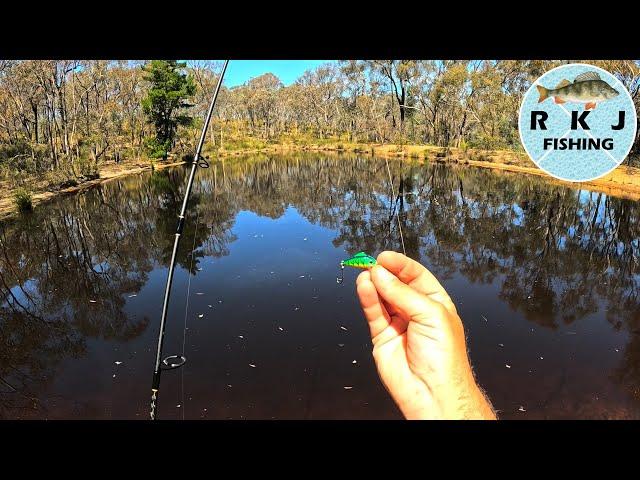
pixel 176 361
pixel 393 195
pixel 186 307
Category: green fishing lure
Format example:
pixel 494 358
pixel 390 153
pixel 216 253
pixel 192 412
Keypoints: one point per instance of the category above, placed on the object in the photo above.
pixel 359 260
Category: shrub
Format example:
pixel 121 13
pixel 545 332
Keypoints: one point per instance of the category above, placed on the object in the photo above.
pixel 23 200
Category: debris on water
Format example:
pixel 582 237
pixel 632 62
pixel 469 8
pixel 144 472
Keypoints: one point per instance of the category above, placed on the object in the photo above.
pixel 343 328
pixel 230 386
pixel 252 365
pixel 521 409
pixel 528 297
pixel 301 276
pixel 501 344
pixel 200 315
pixel 210 306
pixel 354 362
pixel 219 301
pixel 347 388
pixel 341 344
pixel 484 318
pixel 92 301
pixel 281 329
pixel 507 365
pixel 296 309
pixel 179 405
pixel 134 295
pixel 240 336
pixel 617 350
pixel 199 293
pixel 199 269
pixel 118 363
pixel 114 375
pixel 305 239
pixel 541 358
pixel 272 273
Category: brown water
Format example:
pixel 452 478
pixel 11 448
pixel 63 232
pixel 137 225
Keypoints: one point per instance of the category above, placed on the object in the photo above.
pixel 545 279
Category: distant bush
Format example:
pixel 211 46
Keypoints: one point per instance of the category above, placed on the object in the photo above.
pixel 69 183
pixel 86 168
pixel 23 200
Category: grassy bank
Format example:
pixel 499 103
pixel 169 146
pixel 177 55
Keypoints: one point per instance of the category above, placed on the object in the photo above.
pixel 12 197
pixel 624 181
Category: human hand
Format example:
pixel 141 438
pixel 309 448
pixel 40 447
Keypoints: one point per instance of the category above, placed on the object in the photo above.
pixel 418 342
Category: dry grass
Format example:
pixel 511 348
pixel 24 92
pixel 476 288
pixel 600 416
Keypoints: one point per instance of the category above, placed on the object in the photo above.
pixel 624 181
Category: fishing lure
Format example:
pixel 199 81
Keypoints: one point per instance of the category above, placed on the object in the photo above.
pixel 359 260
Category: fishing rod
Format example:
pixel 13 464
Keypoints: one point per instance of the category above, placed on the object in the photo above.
pixel 176 361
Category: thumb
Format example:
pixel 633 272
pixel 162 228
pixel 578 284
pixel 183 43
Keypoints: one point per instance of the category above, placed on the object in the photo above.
pixel 406 299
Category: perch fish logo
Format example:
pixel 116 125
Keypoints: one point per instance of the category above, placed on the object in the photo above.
pixel 577 122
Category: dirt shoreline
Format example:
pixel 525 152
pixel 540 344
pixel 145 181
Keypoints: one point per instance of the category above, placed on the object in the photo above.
pixel 107 173
pixel 622 182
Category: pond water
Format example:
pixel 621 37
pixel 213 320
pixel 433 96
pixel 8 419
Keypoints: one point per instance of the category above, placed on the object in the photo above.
pixel 545 278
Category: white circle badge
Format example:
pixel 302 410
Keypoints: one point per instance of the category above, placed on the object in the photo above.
pixel 577 122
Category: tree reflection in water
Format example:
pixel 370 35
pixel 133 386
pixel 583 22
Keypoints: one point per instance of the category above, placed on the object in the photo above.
pixel 557 255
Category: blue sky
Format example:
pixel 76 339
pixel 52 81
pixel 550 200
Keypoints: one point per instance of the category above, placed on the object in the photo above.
pixel 240 71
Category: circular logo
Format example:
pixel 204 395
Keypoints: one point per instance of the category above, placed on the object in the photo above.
pixel 577 122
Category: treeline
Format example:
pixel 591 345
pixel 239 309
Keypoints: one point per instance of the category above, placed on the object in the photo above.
pixel 69 116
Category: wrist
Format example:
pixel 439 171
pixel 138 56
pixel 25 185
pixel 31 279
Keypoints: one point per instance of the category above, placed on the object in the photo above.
pixel 459 398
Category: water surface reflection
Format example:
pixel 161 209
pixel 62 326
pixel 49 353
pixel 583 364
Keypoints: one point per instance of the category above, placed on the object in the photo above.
pixel 545 278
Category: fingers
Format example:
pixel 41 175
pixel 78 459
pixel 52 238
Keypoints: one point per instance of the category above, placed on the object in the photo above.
pixel 375 313
pixel 404 298
pixel 416 275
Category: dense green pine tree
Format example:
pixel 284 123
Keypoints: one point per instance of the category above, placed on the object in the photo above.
pixel 165 103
